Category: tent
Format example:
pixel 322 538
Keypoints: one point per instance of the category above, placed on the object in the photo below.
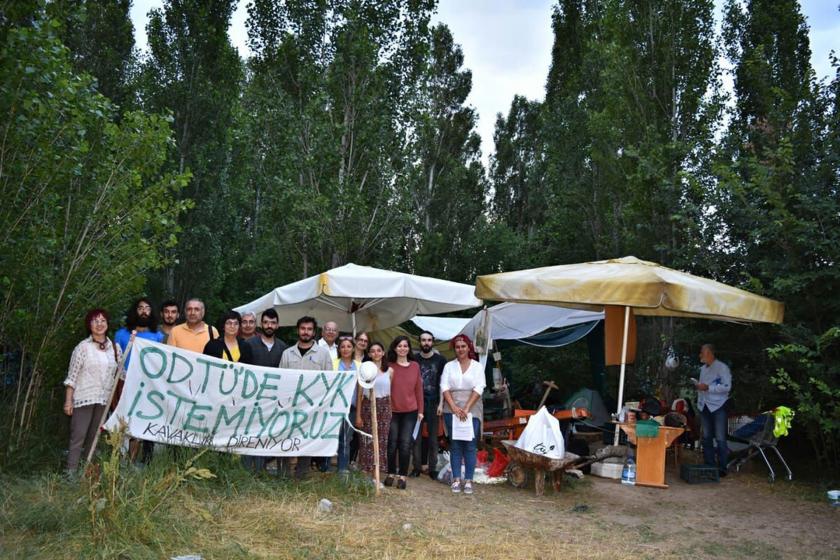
pixel 645 287
pixel 364 298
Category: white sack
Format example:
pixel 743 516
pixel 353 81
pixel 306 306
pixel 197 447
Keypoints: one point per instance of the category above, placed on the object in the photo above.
pixel 542 436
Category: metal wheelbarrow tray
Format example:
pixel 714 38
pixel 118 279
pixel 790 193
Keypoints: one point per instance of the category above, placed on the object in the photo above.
pixel 521 462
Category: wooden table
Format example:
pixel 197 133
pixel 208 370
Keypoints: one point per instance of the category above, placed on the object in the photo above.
pixel 650 454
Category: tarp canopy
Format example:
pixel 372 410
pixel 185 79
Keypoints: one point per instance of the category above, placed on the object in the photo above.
pixel 649 288
pixel 361 298
pixel 510 321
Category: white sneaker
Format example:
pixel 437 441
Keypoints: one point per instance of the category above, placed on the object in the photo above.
pixel 456 486
pixel 468 489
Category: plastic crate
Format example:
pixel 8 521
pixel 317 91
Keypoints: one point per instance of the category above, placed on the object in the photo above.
pixel 697 474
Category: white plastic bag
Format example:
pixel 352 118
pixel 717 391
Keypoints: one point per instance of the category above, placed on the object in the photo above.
pixel 542 436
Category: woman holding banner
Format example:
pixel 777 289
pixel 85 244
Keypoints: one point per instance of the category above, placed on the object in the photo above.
pixel 462 384
pixel 382 392
pixel 90 378
pixel 229 346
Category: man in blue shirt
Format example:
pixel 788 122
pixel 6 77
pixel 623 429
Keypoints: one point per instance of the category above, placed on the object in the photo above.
pixel 712 393
pixel 141 318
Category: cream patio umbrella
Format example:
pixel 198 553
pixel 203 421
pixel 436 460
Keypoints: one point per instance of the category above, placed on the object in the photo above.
pixel 362 298
pixel 646 287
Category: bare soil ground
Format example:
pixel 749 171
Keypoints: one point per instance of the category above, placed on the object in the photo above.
pixel 743 516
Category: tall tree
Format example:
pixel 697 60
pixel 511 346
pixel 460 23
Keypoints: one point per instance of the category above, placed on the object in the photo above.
pixel 100 36
pixel 194 72
pixel 445 179
pixel 87 214
pixel 327 159
pixel 776 202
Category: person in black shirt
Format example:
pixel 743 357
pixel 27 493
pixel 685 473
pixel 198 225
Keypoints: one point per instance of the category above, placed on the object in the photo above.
pixel 266 348
pixel 431 367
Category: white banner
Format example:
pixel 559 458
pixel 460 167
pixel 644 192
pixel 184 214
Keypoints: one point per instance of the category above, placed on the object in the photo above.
pixel 179 397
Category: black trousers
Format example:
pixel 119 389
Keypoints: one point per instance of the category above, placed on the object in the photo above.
pixel 426 448
pixel 399 441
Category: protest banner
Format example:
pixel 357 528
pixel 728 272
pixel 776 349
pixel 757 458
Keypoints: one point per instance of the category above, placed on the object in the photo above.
pixel 179 397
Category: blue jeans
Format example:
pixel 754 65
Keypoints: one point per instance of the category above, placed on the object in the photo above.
pixel 344 437
pixel 714 430
pixel 462 451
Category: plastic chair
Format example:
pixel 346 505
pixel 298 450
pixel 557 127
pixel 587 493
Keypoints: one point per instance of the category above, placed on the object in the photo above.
pixel 756 438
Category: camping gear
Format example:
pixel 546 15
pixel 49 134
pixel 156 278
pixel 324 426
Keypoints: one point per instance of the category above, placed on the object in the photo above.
pixel 512 428
pixel 542 436
pixel 645 287
pixel 362 298
pixel 755 439
pixel 650 453
pixel 523 463
pixel 549 385
pixel 647 428
pixel 696 474
pixel 591 401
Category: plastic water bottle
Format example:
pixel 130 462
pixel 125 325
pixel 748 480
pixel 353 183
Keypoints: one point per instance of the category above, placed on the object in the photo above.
pixel 628 473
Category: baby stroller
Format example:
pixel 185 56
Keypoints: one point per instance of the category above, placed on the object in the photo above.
pixel 754 439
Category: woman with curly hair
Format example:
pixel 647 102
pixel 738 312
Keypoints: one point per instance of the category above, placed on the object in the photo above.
pixel 90 379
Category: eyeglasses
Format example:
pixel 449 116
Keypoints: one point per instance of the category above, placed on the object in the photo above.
pixel 232 322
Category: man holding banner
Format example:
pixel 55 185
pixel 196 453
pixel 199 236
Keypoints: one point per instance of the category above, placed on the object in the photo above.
pixel 179 397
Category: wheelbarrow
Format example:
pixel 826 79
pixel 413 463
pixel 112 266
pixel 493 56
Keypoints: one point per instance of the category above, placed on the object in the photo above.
pixel 522 463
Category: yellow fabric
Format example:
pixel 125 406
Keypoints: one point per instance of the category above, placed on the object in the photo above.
pixel 649 288
pixel 783 417
pixel 234 353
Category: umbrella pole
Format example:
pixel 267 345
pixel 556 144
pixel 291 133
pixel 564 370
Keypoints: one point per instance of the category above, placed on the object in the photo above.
pixel 375 431
pixel 623 367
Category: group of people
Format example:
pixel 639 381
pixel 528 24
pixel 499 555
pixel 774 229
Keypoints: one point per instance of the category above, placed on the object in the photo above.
pixel 412 389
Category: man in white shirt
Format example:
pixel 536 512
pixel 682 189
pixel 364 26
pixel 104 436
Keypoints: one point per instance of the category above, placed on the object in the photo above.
pixel 329 334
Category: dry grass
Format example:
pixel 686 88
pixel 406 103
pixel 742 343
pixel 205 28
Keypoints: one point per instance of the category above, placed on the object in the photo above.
pixel 240 516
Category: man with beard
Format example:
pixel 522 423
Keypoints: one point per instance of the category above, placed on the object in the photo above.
pixel 431 368
pixel 305 355
pixel 248 326
pixel 169 315
pixel 141 318
pixel 266 350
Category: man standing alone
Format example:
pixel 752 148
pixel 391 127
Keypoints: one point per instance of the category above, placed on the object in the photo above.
pixel 431 367
pixel 305 355
pixel 712 393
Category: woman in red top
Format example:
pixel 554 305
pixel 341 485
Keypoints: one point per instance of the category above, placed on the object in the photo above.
pixel 406 408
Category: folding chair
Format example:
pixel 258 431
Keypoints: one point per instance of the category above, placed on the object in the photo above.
pixel 754 439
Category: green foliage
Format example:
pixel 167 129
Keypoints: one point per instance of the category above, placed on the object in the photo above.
pixel 810 376
pixel 87 210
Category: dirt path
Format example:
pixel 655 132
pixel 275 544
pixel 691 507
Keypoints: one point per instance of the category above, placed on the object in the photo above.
pixel 741 517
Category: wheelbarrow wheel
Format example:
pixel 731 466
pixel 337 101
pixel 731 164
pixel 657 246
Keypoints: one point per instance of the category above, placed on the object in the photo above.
pixel 518 476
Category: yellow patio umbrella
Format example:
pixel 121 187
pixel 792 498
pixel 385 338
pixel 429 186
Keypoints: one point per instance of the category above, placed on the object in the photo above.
pixel 646 287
